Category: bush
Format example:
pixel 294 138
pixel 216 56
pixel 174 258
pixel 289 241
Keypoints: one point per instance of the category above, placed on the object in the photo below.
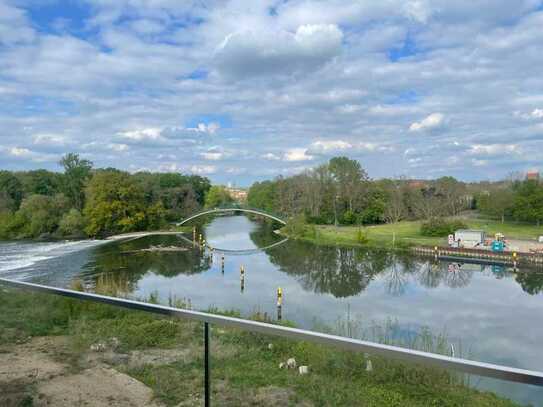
pixel 438 227
pixel 71 223
pixel 297 227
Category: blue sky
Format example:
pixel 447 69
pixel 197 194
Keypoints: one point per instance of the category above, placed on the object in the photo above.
pixel 242 91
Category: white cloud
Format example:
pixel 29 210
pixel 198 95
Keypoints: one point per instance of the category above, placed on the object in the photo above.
pixel 203 169
pixel 537 114
pixel 118 147
pixel 212 155
pixel 266 52
pixel 493 149
pixel 326 146
pixel 152 133
pixel 297 154
pixel 271 156
pixel 49 139
pixel 432 121
pixel 20 152
pixel 210 128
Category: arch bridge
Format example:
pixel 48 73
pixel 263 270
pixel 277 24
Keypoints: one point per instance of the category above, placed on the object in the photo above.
pixel 233 209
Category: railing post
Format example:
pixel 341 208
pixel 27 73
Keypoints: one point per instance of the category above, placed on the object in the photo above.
pixel 207 389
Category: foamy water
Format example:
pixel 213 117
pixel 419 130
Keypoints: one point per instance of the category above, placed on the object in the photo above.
pixel 24 255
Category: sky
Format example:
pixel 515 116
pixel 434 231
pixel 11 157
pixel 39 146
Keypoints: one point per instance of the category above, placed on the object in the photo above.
pixel 241 91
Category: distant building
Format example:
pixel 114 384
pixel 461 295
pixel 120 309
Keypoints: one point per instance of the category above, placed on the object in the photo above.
pixel 417 184
pixel 238 194
pixel 532 175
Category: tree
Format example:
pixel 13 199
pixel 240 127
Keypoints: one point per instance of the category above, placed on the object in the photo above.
pixel 115 204
pixel 11 191
pixel 41 182
pixel 497 203
pixel 76 173
pixel 72 223
pixel 217 196
pixel 528 201
pixel 453 194
pixel 395 208
pixel 262 195
pixel 349 176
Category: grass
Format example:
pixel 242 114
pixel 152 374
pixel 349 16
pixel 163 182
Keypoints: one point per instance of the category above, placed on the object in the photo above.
pixel 245 368
pixel 407 233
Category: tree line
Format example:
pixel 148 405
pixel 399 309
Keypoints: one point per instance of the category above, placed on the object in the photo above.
pixel 341 192
pixel 85 201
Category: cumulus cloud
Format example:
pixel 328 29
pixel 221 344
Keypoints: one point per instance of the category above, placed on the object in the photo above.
pixel 297 154
pixel 20 152
pixel 256 53
pixel 49 139
pixel 212 155
pixel 210 128
pixel 432 121
pixel 327 146
pixel 493 149
pixel 203 169
pixel 312 68
pixel 152 133
pixel 270 156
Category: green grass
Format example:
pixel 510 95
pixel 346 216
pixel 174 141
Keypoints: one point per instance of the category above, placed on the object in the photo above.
pixel 245 370
pixel 407 233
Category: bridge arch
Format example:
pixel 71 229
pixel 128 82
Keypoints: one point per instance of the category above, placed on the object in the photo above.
pixel 233 209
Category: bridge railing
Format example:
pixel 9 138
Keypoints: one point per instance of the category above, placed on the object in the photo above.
pixel 234 208
pixel 402 354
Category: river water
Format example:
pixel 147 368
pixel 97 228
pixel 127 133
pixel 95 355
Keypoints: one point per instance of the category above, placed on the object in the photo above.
pixel 488 313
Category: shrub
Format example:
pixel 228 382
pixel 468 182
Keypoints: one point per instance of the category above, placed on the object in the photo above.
pixel 71 223
pixel 297 227
pixel 438 227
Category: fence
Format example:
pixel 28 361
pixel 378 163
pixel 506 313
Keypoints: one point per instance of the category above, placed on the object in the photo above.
pixel 407 355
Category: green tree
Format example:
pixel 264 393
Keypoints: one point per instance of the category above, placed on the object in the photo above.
pixel 41 182
pixel 497 203
pixel 217 196
pixel 262 195
pixel 528 201
pixel 349 177
pixel 11 191
pixel 72 223
pixel 76 172
pixel 114 204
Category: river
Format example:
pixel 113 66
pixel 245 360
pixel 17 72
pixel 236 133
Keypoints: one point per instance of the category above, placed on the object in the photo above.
pixel 488 313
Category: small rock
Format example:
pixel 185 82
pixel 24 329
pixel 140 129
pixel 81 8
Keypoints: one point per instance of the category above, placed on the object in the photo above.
pixel 115 342
pixel 303 370
pixel 281 365
pixel 291 363
pixel 270 346
pixel 98 347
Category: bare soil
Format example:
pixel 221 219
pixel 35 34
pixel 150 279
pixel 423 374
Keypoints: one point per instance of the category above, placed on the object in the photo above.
pixel 34 374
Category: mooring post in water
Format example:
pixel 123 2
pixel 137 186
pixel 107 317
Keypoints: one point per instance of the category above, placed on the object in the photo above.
pixel 222 263
pixel 279 303
pixel 242 277
pixel 207 384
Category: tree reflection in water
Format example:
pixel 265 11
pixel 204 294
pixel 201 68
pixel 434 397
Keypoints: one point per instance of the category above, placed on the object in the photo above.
pixel 126 261
pixel 340 271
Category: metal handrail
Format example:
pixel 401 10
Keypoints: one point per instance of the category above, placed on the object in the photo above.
pixel 230 209
pixel 408 355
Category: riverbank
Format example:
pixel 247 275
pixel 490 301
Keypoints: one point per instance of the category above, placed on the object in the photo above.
pixel 407 234
pixel 159 360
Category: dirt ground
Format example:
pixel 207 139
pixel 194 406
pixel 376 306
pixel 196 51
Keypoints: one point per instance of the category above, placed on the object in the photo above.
pixel 45 371
pixel 40 372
